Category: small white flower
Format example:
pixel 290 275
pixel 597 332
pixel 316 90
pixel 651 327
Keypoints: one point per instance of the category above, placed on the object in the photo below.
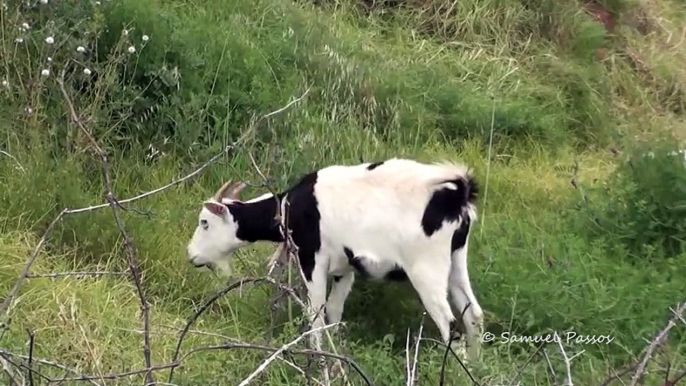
pixel 28 110
pixel 49 40
pixel 132 49
pixel 19 40
pixel 86 71
pixel 97 3
pixel 5 83
pixel 145 38
pixel 49 59
pixel 44 1
pixel 80 49
pixel 124 32
pixel 25 26
pixel 45 72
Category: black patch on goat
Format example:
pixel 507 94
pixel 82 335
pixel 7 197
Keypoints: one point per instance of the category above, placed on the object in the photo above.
pixel 460 235
pixel 396 274
pixel 374 165
pixel 447 204
pixel 256 220
pixel 355 262
pixel 337 278
pixel 303 220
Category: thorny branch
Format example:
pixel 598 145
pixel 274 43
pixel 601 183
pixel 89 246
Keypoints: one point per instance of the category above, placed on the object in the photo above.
pixel 129 247
pixel 677 314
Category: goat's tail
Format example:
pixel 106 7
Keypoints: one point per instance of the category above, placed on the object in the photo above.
pixel 463 191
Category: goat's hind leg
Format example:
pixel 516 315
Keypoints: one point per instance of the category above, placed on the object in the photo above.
pixel 463 295
pixel 429 277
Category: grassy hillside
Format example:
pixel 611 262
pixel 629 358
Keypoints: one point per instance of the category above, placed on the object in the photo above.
pixel 552 103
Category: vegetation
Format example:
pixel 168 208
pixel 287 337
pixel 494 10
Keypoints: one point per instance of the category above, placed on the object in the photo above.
pixel 553 103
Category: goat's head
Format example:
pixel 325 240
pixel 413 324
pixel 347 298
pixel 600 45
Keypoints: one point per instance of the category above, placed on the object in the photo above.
pixel 215 238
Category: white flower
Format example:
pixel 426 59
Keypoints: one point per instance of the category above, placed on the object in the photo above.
pixel 29 110
pixel 80 49
pixel 49 40
pixel 49 59
pixel 124 32
pixel 97 3
pixel 18 40
pixel 5 83
pixel 146 38
pixel 44 1
pixel 86 71
pixel 132 49
pixel 45 72
pixel 25 26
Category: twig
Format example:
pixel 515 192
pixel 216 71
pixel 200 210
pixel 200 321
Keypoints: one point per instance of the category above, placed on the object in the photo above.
pixel 46 363
pixel 30 361
pixel 8 370
pixel 216 297
pixel 298 369
pixel 325 354
pixel 146 370
pixel 129 247
pixel 657 341
pixel 568 362
pixel 521 369
pixel 160 189
pixel 550 367
pixel 65 274
pixel 449 350
pixel 412 371
pixel 679 377
pixel 283 348
pixel 617 376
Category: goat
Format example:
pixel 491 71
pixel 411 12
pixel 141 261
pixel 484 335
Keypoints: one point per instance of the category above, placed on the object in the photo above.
pixel 396 220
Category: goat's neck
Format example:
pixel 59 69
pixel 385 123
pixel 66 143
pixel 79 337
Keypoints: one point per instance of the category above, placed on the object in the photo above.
pixel 257 219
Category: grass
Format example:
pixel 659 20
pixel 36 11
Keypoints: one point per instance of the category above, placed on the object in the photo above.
pixel 521 81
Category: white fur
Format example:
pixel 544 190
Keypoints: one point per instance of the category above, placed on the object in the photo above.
pixel 377 214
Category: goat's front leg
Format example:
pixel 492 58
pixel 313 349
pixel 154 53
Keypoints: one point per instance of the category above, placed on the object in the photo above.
pixel 340 289
pixel 316 291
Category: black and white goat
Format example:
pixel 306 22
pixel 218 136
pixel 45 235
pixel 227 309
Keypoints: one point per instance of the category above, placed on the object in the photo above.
pixel 399 219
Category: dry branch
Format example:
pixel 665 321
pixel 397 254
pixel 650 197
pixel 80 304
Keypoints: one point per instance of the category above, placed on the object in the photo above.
pixel 276 353
pixel 659 339
pixel 129 247
pixel 76 274
pixel 217 296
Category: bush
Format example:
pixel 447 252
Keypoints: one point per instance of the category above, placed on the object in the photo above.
pixel 643 204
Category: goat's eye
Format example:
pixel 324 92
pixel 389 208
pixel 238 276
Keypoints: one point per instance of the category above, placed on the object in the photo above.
pixel 203 224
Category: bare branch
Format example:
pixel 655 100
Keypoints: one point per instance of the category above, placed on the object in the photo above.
pixel 658 341
pixel 283 348
pixel 217 296
pixel 46 363
pixel 129 247
pixel 412 370
pixel 568 362
pixel 68 274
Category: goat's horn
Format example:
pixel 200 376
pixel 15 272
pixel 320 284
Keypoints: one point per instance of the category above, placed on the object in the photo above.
pixel 230 190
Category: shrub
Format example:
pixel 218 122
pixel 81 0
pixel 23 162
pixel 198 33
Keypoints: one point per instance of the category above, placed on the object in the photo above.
pixel 643 204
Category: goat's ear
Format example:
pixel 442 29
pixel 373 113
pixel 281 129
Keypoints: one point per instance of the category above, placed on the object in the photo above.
pixel 216 208
pixel 230 190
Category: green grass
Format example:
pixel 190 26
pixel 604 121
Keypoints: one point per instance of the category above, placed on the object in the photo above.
pixel 416 82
